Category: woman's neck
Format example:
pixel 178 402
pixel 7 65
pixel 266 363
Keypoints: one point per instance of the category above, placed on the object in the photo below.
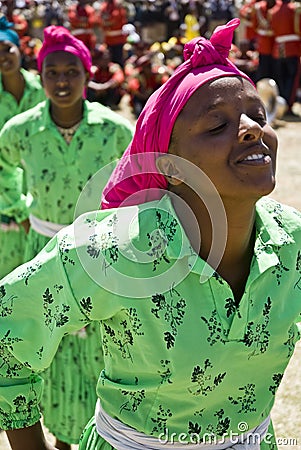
pixel 66 117
pixel 227 245
pixel 14 83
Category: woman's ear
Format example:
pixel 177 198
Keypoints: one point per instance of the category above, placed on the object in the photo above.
pixel 166 165
pixel 88 76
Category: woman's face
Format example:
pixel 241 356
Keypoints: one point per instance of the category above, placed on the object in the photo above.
pixel 64 78
pixel 10 58
pixel 223 131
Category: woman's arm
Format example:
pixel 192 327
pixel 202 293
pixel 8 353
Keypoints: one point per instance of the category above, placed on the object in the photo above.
pixel 31 438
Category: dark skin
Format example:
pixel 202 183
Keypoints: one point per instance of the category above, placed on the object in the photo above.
pixel 10 65
pixel 64 78
pixel 31 438
pixel 222 130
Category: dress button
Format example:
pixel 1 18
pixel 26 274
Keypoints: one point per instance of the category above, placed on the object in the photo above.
pixel 269 249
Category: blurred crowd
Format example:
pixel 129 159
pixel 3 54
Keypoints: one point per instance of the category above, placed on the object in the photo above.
pixel 136 45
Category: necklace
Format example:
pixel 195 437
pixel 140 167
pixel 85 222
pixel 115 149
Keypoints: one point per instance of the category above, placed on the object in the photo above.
pixel 68 133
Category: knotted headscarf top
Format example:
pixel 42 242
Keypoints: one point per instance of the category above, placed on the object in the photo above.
pixel 6 32
pixel 136 172
pixel 58 38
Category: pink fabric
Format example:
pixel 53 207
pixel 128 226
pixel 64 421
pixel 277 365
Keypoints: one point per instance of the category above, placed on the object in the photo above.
pixel 57 38
pixel 136 179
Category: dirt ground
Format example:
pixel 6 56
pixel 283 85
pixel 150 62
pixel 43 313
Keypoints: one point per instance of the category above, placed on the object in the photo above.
pixel 286 413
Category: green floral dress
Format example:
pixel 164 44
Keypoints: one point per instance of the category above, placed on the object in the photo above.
pixel 179 355
pixel 12 236
pixel 56 177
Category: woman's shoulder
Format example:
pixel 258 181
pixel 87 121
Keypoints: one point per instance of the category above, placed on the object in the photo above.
pixel 32 80
pixel 25 118
pixel 275 215
pixel 98 113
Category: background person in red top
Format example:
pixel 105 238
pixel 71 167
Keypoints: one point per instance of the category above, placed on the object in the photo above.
pixel 15 16
pixel 106 84
pixel 144 80
pixel 261 19
pixel 82 21
pixel 285 22
pixel 112 18
pixel 245 15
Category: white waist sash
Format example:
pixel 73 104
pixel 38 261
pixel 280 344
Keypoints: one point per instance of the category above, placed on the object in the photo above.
pixel 43 227
pixel 287 38
pixel 123 437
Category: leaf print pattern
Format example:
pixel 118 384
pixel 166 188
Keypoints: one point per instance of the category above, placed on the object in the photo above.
pixel 64 247
pixel 135 398
pixel 231 307
pixel 123 337
pixel 279 270
pixel 222 425
pixel 204 381
pixel 105 243
pixel 165 373
pixel 161 420
pixel 218 278
pixel 86 304
pixel 290 343
pixel 6 304
pixel 158 243
pixel 298 269
pixel 40 352
pixel 277 377
pixel 220 428
pixel 55 315
pixel 194 430
pixel 246 400
pixel 258 335
pixel 25 408
pixel 159 239
pixel 172 307
pixel 29 271
pixel 215 328
pixel 7 362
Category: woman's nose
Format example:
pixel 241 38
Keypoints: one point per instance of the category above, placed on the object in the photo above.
pixel 61 79
pixel 249 129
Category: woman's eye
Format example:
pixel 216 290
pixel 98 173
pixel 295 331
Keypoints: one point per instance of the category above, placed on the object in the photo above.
pixel 218 128
pixel 261 120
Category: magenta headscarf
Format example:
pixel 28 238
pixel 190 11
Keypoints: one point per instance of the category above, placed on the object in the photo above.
pixel 136 172
pixel 57 38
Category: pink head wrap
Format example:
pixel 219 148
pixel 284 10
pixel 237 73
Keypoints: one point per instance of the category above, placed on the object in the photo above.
pixel 57 38
pixel 136 172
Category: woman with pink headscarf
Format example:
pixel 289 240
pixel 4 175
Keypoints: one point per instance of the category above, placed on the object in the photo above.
pixel 60 144
pixel 193 274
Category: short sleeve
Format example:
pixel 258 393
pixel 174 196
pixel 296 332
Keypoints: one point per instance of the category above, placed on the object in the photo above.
pixel 37 308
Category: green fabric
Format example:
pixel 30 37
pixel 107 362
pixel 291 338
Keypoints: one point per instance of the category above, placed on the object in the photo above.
pixel 12 244
pixel 182 358
pixel 55 174
pixel 33 94
pixel 13 241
